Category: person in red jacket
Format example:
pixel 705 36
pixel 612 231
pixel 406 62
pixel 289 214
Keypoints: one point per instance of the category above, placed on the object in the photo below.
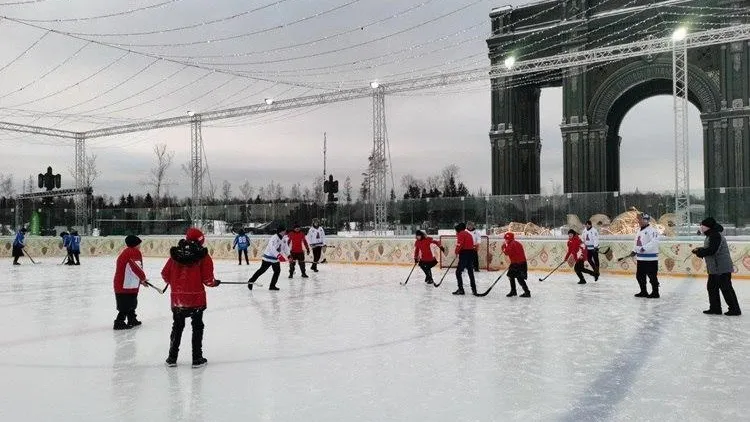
pixel 297 240
pixel 188 269
pixel 577 249
pixel 128 278
pixel 465 253
pixel 518 269
pixel 423 254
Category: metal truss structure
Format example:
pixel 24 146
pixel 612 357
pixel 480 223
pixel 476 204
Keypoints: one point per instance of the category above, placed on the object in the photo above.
pixel 379 91
pixel 681 140
pixel 81 192
pixel 379 160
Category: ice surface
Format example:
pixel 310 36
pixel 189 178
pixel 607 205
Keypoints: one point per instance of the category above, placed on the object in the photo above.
pixel 351 344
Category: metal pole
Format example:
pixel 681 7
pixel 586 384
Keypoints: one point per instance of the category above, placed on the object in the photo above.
pixel 379 160
pixel 79 200
pixel 196 170
pixel 681 140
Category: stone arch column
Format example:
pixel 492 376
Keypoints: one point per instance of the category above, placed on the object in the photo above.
pixel 597 161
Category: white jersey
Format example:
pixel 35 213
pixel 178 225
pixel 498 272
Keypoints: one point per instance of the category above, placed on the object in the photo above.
pixel 276 246
pixel 591 238
pixel 316 237
pixel 476 237
pixel 646 246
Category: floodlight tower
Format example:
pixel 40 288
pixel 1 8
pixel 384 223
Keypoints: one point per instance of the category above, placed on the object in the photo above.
pixel 196 168
pixel 379 172
pixel 681 137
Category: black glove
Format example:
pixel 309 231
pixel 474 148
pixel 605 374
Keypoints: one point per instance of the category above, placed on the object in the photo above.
pixel 442 248
pixel 695 251
pixel 416 260
pixel 633 254
pixel 216 283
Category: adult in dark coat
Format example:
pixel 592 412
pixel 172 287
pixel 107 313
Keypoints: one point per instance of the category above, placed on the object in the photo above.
pixel 715 252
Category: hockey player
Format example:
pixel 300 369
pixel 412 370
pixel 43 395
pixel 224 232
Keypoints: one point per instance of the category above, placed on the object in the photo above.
pixel 477 239
pixel 577 250
pixel 128 278
pixel 591 239
pixel 518 269
pixel 297 240
pixel 19 243
pixel 316 238
pixel 646 251
pixel 465 253
pixel 65 236
pixel 188 270
pixel 719 266
pixel 75 246
pixel 241 242
pixel 423 254
pixel 276 250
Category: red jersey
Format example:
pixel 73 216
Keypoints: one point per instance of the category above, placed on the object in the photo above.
pixel 422 250
pixel 514 251
pixel 129 271
pixel 576 249
pixel 187 273
pixel 464 242
pixel 296 241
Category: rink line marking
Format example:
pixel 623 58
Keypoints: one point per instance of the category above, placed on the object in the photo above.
pixel 602 396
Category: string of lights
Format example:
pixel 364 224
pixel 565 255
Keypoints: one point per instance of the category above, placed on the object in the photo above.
pixel 108 15
pixel 185 27
pixel 47 73
pixel 24 52
pixel 298 46
pixel 243 35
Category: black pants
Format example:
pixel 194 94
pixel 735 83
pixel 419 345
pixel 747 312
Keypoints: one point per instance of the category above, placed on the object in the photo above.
pixel 70 261
pixel 466 262
pixel 476 260
pixel 298 258
pixel 264 266
pixel 126 304
pixel 17 253
pixel 518 272
pixel 723 283
pixel 76 256
pixel 178 325
pixel 317 252
pixel 593 258
pixel 239 256
pixel 426 266
pixel 581 270
pixel 647 269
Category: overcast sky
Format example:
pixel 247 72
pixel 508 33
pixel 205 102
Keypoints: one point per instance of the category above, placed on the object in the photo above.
pixel 105 72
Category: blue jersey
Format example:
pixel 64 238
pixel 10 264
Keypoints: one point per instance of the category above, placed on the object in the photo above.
pixel 242 242
pixel 74 243
pixel 18 241
pixel 66 241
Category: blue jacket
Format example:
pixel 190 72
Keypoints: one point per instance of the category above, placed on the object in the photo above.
pixel 19 240
pixel 241 242
pixel 74 243
pixel 66 241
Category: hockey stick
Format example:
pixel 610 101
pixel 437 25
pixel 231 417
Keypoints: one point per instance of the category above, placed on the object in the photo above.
pixel 64 261
pixel 552 272
pixel 29 256
pixel 446 272
pixel 155 288
pixel 492 285
pixel 601 252
pixel 625 257
pixel 409 276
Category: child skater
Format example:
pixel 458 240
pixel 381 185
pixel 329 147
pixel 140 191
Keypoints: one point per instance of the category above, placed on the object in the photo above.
pixel 129 276
pixel 423 254
pixel 518 269
pixel 241 242
pixel 276 250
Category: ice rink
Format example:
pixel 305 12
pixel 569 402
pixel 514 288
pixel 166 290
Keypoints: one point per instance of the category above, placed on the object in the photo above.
pixel 350 344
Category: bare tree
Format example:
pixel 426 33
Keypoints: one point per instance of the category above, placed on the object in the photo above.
pixel 157 178
pixel 306 194
pixel 348 190
pixel 91 171
pixel 6 186
pixel 247 190
pixel 295 193
pixel 226 191
pixel 317 188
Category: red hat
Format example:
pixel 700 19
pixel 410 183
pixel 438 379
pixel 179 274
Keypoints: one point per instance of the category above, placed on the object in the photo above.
pixel 509 236
pixel 195 235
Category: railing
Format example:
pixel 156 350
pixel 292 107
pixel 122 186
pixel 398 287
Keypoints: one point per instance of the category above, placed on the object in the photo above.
pixel 730 206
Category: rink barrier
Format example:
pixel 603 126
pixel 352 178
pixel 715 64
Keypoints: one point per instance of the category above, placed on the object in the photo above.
pixel 542 254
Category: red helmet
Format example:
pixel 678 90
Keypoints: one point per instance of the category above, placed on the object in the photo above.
pixel 509 236
pixel 195 235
